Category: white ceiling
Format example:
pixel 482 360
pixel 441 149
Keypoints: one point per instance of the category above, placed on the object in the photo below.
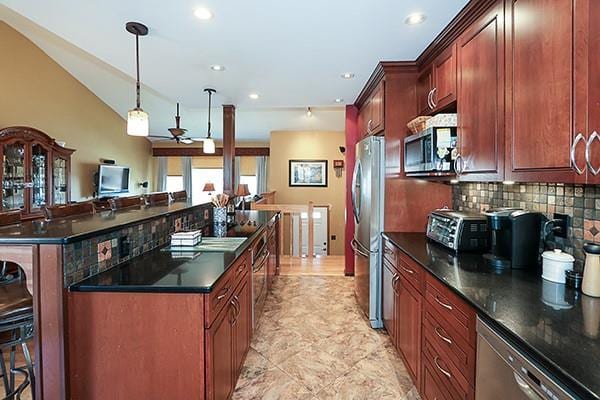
pixel 290 52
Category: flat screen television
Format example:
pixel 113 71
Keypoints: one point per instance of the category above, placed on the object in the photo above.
pixel 113 179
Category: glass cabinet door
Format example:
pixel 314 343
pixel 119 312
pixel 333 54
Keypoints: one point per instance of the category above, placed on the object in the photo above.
pixel 13 183
pixel 39 176
pixel 59 180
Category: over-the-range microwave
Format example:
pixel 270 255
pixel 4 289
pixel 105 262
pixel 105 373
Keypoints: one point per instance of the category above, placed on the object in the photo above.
pixel 431 152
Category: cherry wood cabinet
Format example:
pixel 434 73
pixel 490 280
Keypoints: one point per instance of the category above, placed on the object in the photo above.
pixel 35 171
pixel 371 114
pixel 480 103
pixel 220 355
pixel 242 326
pixel 408 319
pixel 436 84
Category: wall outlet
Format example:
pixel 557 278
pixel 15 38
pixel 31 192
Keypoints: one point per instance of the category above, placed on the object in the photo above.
pixel 333 237
pixel 560 225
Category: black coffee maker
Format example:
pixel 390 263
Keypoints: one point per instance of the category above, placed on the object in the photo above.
pixel 514 238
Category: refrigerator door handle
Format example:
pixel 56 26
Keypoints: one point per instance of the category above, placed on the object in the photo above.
pixel 355 207
pixel 355 246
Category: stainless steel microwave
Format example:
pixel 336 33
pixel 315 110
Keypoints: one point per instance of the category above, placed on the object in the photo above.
pixel 431 152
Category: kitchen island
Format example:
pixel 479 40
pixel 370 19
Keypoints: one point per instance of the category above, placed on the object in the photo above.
pixel 556 327
pixel 56 254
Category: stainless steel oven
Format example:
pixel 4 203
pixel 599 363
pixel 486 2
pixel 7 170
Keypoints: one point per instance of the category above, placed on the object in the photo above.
pixel 260 258
pixel 431 152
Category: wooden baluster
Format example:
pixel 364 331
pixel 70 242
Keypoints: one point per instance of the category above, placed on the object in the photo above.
pixel 310 248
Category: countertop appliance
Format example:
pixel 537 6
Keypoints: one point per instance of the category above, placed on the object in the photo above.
pixel 591 272
pixel 367 205
pixel 260 257
pixel 431 152
pixel 515 236
pixel 457 230
pixel 503 372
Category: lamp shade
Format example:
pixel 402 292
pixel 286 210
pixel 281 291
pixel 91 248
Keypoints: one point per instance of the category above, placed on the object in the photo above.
pixel 137 122
pixel 242 190
pixel 208 146
pixel 208 187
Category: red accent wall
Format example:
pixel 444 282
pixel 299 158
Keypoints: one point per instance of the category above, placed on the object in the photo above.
pixel 351 139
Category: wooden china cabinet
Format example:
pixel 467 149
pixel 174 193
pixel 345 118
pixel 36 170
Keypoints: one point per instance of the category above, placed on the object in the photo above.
pixel 35 171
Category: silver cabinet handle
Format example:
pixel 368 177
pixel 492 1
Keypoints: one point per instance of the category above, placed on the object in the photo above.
pixel 588 160
pixel 578 138
pixel 369 130
pixel 410 271
pixel 441 303
pixel 433 102
pixel 429 103
pixel 395 280
pixel 444 338
pixel 442 370
pixel 223 293
pixel 458 165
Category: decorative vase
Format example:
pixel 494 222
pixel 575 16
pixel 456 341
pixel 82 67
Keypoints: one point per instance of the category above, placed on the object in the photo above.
pixel 220 221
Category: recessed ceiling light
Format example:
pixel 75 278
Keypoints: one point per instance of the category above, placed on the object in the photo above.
pixel 347 75
pixel 308 112
pixel 217 67
pixel 254 96
pixel 415 18
pixel 339 100
pixel 203 13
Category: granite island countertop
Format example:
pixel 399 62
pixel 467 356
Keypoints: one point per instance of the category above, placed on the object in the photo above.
pixel 161 271
pixel 559 331
pixel 66 230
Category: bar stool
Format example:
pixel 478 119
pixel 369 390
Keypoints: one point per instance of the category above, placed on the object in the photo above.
pixel 69 210
pixel 154 199
pixel 16 328
pixel 179 196
pixel 125 202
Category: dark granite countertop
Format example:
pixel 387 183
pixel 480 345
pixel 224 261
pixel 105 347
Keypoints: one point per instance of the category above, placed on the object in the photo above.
pixel 163 272
pixel 77 228
pixel 559 330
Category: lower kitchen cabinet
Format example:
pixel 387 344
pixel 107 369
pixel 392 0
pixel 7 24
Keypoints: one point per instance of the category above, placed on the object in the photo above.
pixel 431 327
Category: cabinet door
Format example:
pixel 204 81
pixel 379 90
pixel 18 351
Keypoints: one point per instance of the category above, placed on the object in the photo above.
pixel 409 327
pixel 219 356
pixel 389 299
pixel 242 323
pixel 540 91
pixel 424 87
pixel 377 110
pixel 39 177
pixel 444 78
pixel 364 116
pixel 14 176
pixel 481 98
pixel 60 184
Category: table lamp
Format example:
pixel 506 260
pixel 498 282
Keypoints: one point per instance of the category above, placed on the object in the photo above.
pixel 242 191
pixel 209 187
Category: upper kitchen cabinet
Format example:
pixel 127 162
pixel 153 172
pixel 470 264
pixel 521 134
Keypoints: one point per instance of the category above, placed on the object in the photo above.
pixel 546 89
pixel 371 114
pixel 480 103
pixel 436 84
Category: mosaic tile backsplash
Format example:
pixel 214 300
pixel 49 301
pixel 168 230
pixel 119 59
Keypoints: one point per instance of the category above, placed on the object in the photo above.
pixel 91 256
pixel 580 202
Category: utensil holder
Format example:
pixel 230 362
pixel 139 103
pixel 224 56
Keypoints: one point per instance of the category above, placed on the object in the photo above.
pixel 220 216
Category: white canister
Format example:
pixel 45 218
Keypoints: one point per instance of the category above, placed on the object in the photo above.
pixel 554 264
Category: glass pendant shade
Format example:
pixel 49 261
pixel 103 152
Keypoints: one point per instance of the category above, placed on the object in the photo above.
pixel 208 146
pixel 137 122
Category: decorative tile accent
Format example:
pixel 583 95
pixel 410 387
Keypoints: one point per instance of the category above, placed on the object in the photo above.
pixel 91 256
pixel 580 202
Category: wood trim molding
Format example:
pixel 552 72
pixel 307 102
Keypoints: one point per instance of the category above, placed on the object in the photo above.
pixel 197 152
pixel 383 68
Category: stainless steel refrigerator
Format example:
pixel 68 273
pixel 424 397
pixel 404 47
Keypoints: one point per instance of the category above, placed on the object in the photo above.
pixel 367 204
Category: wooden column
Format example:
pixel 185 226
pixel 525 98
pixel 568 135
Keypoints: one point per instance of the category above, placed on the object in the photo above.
pixel 228 148
pixel 351 139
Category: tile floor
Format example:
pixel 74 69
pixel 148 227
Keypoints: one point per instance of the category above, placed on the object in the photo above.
pixel 312 342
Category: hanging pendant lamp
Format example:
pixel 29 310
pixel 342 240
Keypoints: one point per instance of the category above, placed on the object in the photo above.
pixel 137 119
pixel 208 146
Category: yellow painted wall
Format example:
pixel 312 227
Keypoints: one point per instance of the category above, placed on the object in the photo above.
pixel 286 146
pixel 37 92
pixel 247 164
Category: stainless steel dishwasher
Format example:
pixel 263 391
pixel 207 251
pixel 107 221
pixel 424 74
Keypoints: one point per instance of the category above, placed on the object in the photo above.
pixel 503 372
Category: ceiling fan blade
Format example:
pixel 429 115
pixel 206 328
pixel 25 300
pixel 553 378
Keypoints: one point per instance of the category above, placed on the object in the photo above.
pixel 160 137
pixel 177 131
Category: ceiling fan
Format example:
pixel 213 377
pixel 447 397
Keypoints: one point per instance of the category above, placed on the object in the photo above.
pixel 178 133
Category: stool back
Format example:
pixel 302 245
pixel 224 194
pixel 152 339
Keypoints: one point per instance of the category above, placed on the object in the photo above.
pixel 157 198
pixel 69 210
pixel 125 202
pixel 179 196
pixel 12 217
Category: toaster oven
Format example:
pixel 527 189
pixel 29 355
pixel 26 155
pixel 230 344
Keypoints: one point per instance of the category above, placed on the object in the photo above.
pixel 458 231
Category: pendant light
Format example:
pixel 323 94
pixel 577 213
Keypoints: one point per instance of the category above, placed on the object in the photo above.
pixel 137 119
pixel 209 144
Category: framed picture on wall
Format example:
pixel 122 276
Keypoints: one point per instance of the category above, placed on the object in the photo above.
pixel 308 173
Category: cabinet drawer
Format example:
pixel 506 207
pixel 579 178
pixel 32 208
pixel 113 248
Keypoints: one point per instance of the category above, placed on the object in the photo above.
pixel 219 297
pixel 456 314
pixel 432 389
pixel 240 269
pixel 412 271
pixel 458 351
pixel 390 253
pixel 446 372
